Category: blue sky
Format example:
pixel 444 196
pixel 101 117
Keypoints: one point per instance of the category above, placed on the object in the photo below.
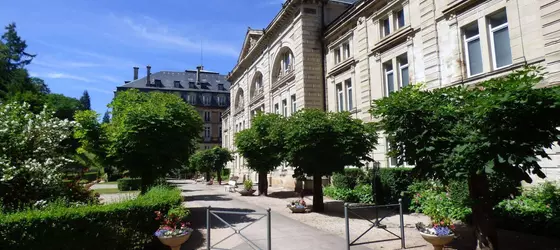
pixel 93 44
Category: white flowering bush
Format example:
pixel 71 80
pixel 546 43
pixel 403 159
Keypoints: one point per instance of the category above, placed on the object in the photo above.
pixel 32 152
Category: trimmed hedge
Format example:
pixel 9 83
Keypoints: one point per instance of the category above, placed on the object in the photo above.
pixel 125 225
pixel 129 184
pixel 392 184
pixel 349 178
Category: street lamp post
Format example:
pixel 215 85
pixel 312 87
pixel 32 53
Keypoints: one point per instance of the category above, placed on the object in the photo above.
pixel 374 192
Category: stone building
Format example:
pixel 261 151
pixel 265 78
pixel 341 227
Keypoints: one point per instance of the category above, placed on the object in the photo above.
pixel 207 91
pixel 373 48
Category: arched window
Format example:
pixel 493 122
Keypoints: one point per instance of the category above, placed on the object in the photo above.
pixel 284 63
pixel 257 85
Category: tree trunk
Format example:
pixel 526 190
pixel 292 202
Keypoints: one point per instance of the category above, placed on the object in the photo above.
pixel 219 175
pixel 146 181
pixel 208 176
pixel 263 183
pixel 483 221
pixel 318 205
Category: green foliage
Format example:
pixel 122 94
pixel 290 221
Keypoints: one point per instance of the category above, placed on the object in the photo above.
pixel 106 117
pixel 151 134
pixel 437 201
pixel 92 176
pixel 392 183
pixel 125 225
pixel 85 101
pixel 63 106
pixel 319 144
pixel 129 184
pixel 248 184
pixel 220 156
pixel 349 178
pixel 360 194
pixel 536 211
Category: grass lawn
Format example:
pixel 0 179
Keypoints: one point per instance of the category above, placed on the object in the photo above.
pixel 113 191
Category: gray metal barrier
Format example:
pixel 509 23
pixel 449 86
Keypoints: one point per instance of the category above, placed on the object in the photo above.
pixel 215 213
pixel 348 209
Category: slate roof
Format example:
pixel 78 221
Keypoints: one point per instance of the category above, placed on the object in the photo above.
pixel 345 1
pixel 209 81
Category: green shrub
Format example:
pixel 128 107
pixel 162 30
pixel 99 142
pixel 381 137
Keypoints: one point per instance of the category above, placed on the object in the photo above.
pixel 90 176
pixel 125 225
pixel 128 184
pixel 434 199
pixel 536 211
pixel 361 193
pixel 349 178
pixel 391 184
pixel 248 184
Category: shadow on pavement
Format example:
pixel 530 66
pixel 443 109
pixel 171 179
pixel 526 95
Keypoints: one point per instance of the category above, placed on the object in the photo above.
pixel 207 197
pixel 284 194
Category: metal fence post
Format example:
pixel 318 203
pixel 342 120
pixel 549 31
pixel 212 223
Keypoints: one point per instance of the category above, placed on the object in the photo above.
pixel 402 223
pixel 268 230
pixel 347 226
pixel 208 228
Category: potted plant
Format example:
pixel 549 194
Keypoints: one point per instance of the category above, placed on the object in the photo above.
pixel 297 206
pixel 438 234
pixel 247 188
pixel 173 230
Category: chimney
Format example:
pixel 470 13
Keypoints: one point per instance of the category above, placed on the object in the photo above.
pixel 148 69
pixel 198 69
pixel 135 73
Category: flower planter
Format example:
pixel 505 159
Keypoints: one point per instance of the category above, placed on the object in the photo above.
pixel 246 192
pixel 297 209
pixel 437 241
pixel 174 242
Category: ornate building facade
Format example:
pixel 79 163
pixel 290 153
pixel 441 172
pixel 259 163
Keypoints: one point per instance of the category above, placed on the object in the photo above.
pixel 368 49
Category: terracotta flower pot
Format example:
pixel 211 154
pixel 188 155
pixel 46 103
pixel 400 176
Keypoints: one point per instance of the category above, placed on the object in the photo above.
pixel 437 241
pixel 175 242
pixel 297 209
pixel 246 192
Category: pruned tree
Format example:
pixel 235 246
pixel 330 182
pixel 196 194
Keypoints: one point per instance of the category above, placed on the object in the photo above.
pixel 318 144
pixel 500 126
pixel 262 145
pixel 151 134
pixel 220 156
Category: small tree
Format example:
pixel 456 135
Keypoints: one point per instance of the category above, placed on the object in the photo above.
pixel 202 161
pixel 85 100
pixel 106 117
pixel 220 156
pixel 501 126
pixel 151 134
pixel 319 143
pixel 262 145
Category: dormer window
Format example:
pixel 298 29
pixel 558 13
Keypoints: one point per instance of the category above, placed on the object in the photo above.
pixel 221 86
pixel 177 84
pixel 158 83
pixel 192 85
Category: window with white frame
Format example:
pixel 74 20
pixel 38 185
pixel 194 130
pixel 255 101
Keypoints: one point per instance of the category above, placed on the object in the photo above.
pixel 340 97
pixel 337 56
pixel 402 61
pixel 499 39
pixel 385 27
pixel 191 98
pixel 207 132
pixel 206 99
pixel 287 58
pixel 259 84
pixel 206 116
pixel 389 77
pixel 399 19
pixel 345 51
pixel 294 105
pixel 391 161
pixel 221 100
pixel 285 107
pixel 349 96
pixel 473 52
pixel 276 109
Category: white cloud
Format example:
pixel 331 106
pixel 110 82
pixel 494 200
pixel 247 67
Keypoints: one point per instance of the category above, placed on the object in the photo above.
pixel 158 34
pixel 57 63
pixel 60 75
pixel 111 79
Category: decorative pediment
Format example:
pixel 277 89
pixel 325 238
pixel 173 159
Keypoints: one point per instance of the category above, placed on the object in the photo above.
pixel 250 41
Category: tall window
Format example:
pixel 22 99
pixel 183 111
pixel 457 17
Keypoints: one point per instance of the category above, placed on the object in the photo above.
pixel 221 100
pixel 340 97
pixel 391 161
pixel 276 109
pixel 191 99
pixel 385 27
pixel 207 132
pixel 402 60
pixel 206 99
pixel 294 107
pixel 259 84
pixel 206 116
pixel 473 52
pixel 499 39
pixel 346 50
pixel 349 97
pixel 400 19
pixel 287 61
pixel 285 107
pixel 389 77
pixel 337 56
